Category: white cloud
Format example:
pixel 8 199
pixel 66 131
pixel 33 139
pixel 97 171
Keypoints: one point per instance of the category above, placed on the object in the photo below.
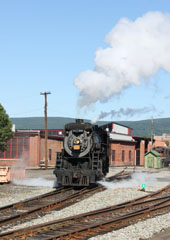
pixel 137 49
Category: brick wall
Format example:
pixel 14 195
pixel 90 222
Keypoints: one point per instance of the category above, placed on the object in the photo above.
pixel 53 146
pixel 8 162
pixel 142 152
pixel 164 137
pixel 34 152
pixel 124 154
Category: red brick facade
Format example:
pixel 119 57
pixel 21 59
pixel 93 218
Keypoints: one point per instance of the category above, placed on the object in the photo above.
pixel 28 148
pixel 122 153
pixel 142 152
pixel 53 146
pixel 34 153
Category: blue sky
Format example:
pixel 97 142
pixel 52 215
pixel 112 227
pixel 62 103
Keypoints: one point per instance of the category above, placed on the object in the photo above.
pixel 45 45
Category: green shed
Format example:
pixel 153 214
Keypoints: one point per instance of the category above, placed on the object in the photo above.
pixel 153 160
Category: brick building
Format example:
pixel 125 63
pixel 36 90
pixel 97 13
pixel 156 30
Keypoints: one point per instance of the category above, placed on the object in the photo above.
pixel 165 137
pixel 122 145
pixel 27 146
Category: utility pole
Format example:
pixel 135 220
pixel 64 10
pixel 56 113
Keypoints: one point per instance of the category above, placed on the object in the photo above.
pixel 151 133
pixel 45 123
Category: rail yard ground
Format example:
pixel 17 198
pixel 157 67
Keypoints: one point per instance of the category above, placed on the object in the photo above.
pixel 39 181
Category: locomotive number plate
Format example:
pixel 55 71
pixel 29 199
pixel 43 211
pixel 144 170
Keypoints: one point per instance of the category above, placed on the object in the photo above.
pixel 76 147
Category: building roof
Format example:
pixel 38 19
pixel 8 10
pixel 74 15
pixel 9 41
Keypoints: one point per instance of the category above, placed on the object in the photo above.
pixel 153 152
pixel 110 124
pixel 121 137
pixel 159 144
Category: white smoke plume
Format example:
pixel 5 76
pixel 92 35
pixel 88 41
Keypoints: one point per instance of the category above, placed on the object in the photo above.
pixel 129 112
pixel 137 50
pixel 35 182
pixel 18 170
pixel 18 175
pixel 136 181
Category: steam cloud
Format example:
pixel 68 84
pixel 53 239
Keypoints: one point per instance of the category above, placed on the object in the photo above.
pixel 136 181
pixel 129 112
pixel 137 50
pixel 38 182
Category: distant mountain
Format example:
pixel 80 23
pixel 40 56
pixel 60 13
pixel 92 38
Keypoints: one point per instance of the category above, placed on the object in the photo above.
pixel 38 122
pixel 141 128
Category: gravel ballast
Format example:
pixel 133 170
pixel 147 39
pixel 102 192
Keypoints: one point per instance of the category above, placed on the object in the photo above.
pixel 116 193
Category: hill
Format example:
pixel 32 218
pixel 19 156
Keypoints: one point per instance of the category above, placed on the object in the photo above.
pixel 141 128
pixel 38 122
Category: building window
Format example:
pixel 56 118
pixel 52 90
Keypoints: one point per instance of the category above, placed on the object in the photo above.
pixel 123 155
pixel 49 154
pixel 130 156
pixel 17 146
pixel 113 155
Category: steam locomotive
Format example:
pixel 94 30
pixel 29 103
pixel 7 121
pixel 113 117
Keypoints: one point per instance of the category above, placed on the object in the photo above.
pixel 85 156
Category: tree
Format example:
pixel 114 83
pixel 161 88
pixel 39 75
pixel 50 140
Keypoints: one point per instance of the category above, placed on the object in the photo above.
pixel 5 129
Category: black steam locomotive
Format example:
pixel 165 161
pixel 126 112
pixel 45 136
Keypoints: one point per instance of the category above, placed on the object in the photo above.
pixel 85 157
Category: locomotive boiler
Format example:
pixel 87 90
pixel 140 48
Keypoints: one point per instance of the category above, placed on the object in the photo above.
pixel 85 156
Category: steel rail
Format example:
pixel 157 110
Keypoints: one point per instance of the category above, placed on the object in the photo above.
pixel 21 203
pixel 83 232
pixel 78 219
pixel 57 204
pixel 28 207
pixel 122 174
pixel 114 224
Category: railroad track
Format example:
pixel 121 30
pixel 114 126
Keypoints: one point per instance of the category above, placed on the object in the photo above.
pixel 56 200
pixel 119 176
pixel 84 226
pixel 26 210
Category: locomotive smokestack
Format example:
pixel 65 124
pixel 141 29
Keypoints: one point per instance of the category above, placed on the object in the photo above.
pixel 79 120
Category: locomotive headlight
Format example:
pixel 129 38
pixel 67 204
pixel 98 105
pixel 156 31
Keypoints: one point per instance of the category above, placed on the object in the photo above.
pixel 76 143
